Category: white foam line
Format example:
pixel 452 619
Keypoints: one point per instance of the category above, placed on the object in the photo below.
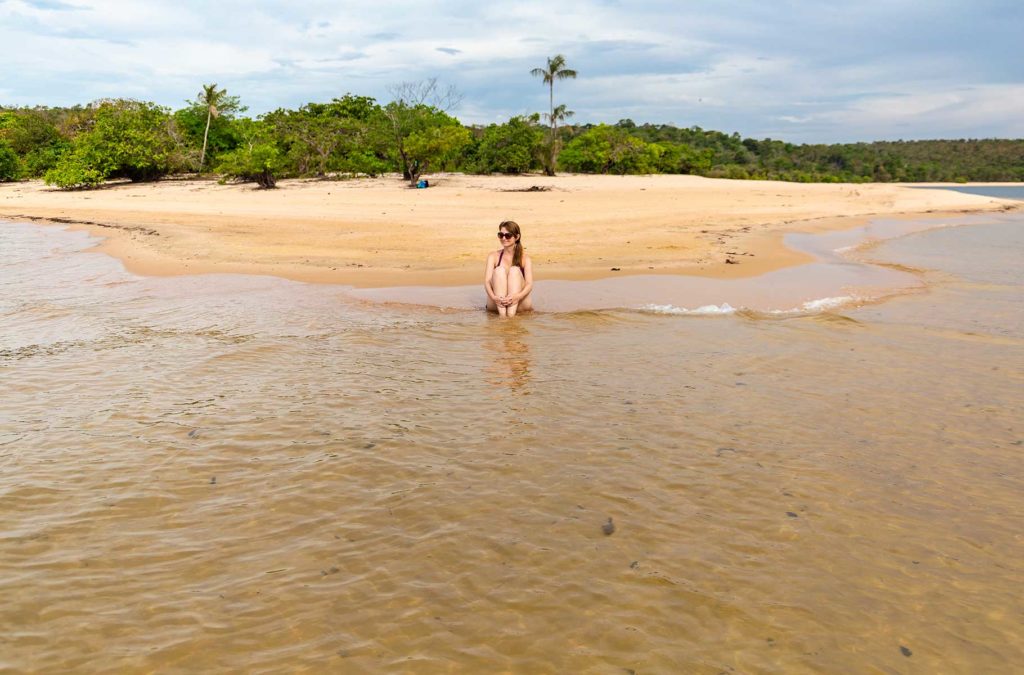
pixel 725 309
pixel 706 310
pixel 823 304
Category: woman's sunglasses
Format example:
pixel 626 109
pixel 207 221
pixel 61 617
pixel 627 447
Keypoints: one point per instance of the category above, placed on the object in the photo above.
pixel 506 235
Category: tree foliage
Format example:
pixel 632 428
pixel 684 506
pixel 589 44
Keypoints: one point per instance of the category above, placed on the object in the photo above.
pixel 214 104
pixel 257 158
pixel 513 147
pixel 10 165
pixel 220 136
pixel 33 135
pixel 435 145
pixel 81 146
pixel 125 139
pixel 608 149
pixel 419 133
pixel 339 136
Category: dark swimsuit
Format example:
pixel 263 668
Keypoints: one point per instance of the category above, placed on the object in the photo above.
pixel 500 256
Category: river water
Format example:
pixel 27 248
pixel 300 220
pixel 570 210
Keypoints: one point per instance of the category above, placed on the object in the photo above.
pixel 230 473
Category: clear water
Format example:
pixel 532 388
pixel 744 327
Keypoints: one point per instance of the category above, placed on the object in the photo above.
pixel 235 473
pixel 999 191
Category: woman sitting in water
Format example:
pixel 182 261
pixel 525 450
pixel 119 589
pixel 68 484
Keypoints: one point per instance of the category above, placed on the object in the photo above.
pixel 508 278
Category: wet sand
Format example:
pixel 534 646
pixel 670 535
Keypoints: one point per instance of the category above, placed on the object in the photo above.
pixel 379 233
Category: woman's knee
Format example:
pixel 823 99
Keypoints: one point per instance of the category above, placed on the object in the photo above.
pixel 515 279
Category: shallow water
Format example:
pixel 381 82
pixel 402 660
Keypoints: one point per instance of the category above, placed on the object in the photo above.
pixel 243 473
pixel 1000 191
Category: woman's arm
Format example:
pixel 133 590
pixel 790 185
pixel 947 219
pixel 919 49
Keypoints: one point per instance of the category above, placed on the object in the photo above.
pixel 527 279
pixel 488 273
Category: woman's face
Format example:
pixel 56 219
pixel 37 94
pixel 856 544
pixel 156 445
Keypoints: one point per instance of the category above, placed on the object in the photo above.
pixel 506 238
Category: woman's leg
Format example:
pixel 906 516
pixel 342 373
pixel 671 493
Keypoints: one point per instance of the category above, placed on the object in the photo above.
pixel 515 284
pixel 499 284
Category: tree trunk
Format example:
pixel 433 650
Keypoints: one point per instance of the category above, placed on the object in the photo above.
pixel 202 157
pixel 551 107
pixel 415 171
pixel 407 168
pixel 553 155
pixel 266 179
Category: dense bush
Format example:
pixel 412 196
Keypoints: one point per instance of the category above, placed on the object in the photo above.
pixel 33 135
pixel 336 137
pixel 10 166
pixel 127 139
pixel 418 137
pixel 513 147
pixel 607 149
pixel 40 160
pixel 257 159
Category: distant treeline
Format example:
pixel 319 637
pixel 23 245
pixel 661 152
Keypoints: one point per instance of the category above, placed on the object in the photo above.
pixel 82 146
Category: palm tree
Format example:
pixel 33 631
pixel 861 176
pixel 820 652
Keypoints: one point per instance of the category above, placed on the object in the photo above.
pixel 211 98
pixel 559 114
pixel 556 71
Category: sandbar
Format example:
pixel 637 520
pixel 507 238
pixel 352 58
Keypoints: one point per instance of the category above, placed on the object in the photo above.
pixel 378 232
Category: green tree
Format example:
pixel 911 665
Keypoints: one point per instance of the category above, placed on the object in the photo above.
pixel 257 159
pixel 322 137
pixel 33 135
pixel 222 136
pixel 435 145
pixel 26 130
pixel 555 70
pixel 215 102
pixel 41 159
pixel 10 166
pixel 512 147
pixel 126 139
pixel 608 149
pixel 559 114
pixel 311 140
pixel 418 131
pixel 78 168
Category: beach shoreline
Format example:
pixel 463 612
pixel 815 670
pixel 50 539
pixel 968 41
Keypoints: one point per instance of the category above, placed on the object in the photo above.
pixel 378 233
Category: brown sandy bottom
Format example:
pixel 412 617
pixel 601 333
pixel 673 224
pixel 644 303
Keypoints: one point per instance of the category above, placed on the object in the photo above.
pixel 236 473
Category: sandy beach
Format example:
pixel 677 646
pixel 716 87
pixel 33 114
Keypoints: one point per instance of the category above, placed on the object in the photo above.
pixel 378 232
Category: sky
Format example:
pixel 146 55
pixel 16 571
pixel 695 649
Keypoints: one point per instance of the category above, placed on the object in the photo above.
pixel 802 71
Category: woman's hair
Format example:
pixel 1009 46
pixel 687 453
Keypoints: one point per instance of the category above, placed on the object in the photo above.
pixel 512 227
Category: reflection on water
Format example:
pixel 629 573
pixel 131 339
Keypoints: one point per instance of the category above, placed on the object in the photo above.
pixel 240 473
pixel 510 350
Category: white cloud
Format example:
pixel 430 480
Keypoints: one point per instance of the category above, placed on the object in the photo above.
pixel 799 71
pixel 989 110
